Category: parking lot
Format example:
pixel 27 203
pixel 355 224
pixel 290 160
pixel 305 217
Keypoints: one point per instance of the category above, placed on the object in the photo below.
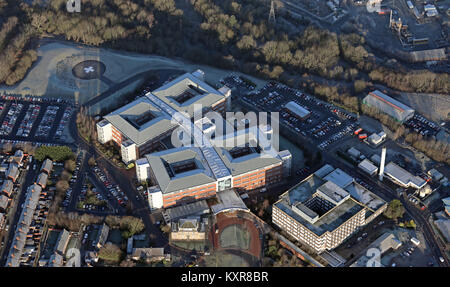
pixel 73 180
pixel 33 119
pixel 421 125
pixel 114 190
pixel 325 123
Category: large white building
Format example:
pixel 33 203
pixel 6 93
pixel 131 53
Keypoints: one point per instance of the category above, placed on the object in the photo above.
pixel 139 126
pixel 187 173
pixel 403 177
pixel 325 209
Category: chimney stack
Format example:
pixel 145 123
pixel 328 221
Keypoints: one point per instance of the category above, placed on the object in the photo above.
pixel 383 159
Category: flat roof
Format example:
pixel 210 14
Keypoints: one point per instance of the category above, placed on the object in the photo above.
pixel 324 170
pixel 297 109
pixel 339 177
pixel 403 176
pixel 368 166
pixel 365 196
pixel 332 192
pixel 329 221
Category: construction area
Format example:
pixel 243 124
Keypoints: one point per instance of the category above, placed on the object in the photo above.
pixel 415 31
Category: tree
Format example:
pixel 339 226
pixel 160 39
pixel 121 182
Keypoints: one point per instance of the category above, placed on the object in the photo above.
pixel 110 253
pixel 92 161
pixel 394 210
pixel 70 165
pixel 62 186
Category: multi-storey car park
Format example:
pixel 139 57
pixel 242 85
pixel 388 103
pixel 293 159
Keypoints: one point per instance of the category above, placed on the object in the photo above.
pixel 139 126
pixel 326 208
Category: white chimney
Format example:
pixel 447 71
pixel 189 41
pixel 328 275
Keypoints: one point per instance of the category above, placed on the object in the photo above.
pixel 383 159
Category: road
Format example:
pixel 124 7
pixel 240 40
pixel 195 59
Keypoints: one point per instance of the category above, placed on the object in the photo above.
pixel 383 190
pixel 138 206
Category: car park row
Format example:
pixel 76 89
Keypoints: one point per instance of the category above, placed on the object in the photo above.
pixel 114 189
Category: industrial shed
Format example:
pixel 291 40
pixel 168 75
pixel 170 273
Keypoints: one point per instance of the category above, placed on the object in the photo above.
pixel 388 105
pixel 297 110
pixel 368 167
pixel 428 55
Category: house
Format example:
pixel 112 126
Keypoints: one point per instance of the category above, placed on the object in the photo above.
pixel 12 172
pixel 47 166
pixel 7 188
pixel 18 157
pixel 4 201
pixel 2 221
pixel 149 254
pixel 42 179
pixel 102 236
pixel 61 243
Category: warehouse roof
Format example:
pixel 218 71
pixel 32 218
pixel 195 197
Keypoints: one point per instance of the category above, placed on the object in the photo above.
pixel 428 55
pixel 368 166
pixel 403 177
pixel 297 109
pixel 383 244
pixel 388 105
pixel 194 208
pixel 339 177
